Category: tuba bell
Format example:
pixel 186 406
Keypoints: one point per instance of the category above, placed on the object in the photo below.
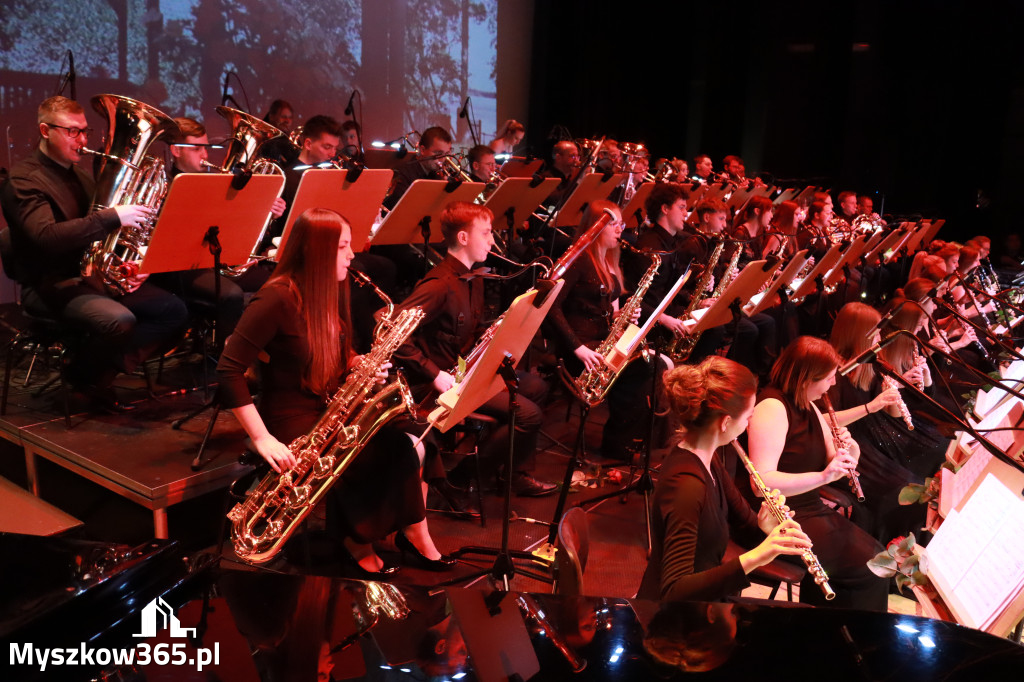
pixel 125 175
pixel 248 134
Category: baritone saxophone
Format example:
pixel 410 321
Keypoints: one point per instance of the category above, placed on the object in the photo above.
pixel 274 509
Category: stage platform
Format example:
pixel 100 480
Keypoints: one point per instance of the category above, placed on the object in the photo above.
pixel 136 455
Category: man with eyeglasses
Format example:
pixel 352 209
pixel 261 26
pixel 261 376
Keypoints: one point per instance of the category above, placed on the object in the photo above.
pixel 435 143
pixel 46 203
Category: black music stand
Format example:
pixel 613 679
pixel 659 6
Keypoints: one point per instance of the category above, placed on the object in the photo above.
pixel 204 223
pixel 494 371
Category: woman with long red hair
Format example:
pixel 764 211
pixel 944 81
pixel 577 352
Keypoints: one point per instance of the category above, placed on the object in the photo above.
pixel 298 328
pixel 581 319
pixel 793 449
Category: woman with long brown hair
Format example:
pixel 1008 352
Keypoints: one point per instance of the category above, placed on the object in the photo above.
pixel 581 319
pixel 298 328
pixel 793 449
pixel 696 504
pixel 890 447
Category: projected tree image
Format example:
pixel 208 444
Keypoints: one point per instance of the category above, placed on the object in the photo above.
pixel 413 60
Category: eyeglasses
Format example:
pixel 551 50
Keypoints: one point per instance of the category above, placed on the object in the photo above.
pixel 72 132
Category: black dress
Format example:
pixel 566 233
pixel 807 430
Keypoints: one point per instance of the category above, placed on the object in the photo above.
pixel 891 456
pixel 691 519
pixel 582 316
pixel 380 491
pixel 842 548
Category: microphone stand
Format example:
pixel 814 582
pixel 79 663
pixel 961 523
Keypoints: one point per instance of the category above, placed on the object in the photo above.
pixel 980 328
pixel 887 369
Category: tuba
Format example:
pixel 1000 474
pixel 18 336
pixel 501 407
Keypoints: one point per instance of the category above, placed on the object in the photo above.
pixel 126 176
pixel 248 134
pixel 593 384
pixel 274 509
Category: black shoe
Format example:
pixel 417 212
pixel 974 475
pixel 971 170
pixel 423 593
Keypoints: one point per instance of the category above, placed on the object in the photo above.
pixel 357 571
pixel 525 485
pixel 459 500
pixel 445 563
pixel 105 400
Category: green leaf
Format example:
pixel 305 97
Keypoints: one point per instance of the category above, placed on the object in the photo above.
pixel 883 565
pixel 911 494
pixel 908 543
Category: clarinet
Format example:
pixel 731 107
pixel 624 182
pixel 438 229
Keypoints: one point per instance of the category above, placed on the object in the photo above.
pixel 837 440
pixel 814 566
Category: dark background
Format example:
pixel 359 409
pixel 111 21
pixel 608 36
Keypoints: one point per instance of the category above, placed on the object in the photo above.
pixel 921 103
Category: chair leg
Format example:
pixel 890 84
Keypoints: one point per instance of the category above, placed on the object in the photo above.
pixel 789 591
pixel 775 591
pixel 479 485
pixel 9 366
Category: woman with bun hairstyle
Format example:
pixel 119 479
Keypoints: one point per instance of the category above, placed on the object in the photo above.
pixel 696 504
pixel 792 448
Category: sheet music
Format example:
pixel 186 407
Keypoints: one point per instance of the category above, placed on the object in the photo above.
pixel 965 477
pixel 977 555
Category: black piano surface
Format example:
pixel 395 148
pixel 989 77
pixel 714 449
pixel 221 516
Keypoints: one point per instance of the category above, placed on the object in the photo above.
pixel 260 625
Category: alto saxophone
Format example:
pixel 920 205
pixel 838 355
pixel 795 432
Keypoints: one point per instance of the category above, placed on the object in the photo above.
pixel 593 384
pixel 273 510
pixel 814 566
pixel 679 348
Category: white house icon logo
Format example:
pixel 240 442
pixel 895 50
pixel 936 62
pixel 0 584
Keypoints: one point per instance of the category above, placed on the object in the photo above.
pixel 160 610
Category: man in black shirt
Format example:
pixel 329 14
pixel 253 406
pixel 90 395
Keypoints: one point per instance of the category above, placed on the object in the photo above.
pixel 435 142
pixel 452 298
pixel 47 205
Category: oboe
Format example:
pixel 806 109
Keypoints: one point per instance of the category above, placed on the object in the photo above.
pixel 837 440
pixel 814 566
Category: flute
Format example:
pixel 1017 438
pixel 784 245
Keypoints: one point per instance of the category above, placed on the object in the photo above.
pixel 837 440
pixel 814 566
pixel 887 383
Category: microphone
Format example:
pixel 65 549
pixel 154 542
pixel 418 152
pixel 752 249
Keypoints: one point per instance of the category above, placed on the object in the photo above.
pixel 867 356
pixel 463 113
pixel 885 318
pixel 224 95
pixel 72 77
pixel 348 108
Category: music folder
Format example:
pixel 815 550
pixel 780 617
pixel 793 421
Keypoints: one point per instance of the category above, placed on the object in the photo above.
pixel 516 198
pixel 514 332
pixel 848 257
pixel 593 186
pixel 198 201
pixel 768 298
pixel 634 213
pixel 808 284
pixel 746 284
pixel 420 210
pixel 357 200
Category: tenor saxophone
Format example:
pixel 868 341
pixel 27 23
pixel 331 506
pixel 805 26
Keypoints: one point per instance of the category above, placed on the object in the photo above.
pixel 274 509
pixel 679 348
pixel 593 384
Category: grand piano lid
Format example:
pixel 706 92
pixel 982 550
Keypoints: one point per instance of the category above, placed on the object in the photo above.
pixel 266 626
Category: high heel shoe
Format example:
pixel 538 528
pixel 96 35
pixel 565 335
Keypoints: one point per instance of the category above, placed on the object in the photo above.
pixel 360 573
pixel 445 563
